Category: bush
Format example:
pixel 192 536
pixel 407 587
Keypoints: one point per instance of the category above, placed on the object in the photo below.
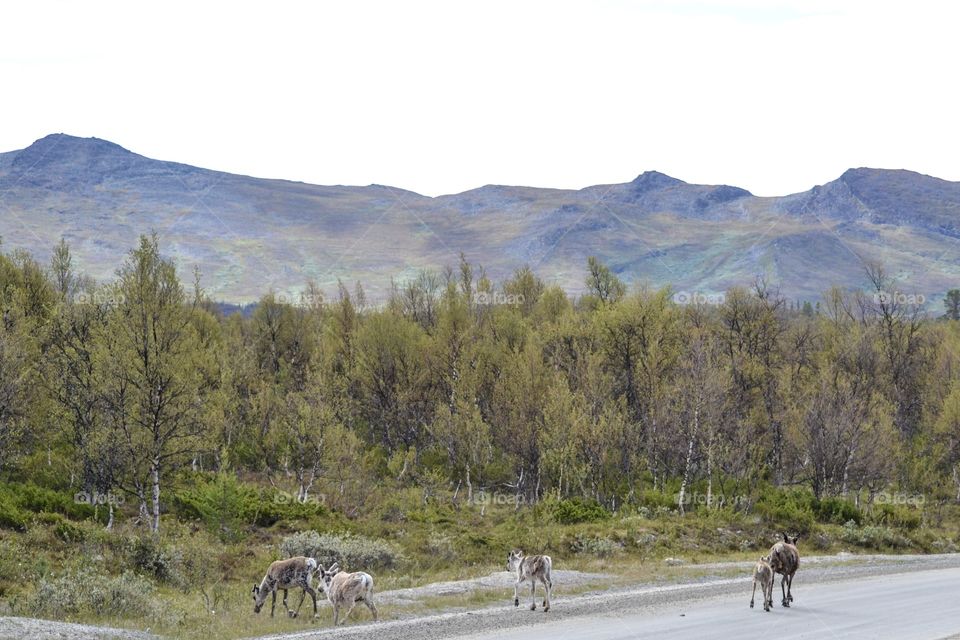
pixel 897 516
pixel 596 546
pixel 788 510
pixel 225 505
pixel 578 510
pixel 656 501
pixel 19 501
pixel 67 531
pixel 10 515
pixel 873 537
pixel 88 592
pixel 351 551
pixel 837 511
pixel 30 497
pixel 148 555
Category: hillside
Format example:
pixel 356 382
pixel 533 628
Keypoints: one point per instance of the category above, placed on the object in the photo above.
pixel 249 235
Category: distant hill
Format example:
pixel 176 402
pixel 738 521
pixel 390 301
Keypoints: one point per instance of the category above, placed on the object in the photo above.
pixel 250 235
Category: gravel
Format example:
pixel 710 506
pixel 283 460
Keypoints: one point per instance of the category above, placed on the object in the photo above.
pixel 34 629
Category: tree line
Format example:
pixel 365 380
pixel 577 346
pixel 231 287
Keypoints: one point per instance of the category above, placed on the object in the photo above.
pixel 458 383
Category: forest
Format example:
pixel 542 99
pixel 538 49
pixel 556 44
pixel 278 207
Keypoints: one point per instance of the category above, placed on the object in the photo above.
pixel 138 410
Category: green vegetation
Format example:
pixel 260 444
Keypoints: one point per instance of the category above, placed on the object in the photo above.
pixel 156 456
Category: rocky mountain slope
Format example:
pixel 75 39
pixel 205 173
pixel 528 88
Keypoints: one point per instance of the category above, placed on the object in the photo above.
pixel 249 235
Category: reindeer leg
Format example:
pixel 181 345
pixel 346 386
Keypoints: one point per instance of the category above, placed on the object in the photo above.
pixel 336 614
pixel 313 596
pixel 533 594
pixel 290 612
pixel 372 607
pixel 303 595
pixel 349 611
pixel 273 603
pixel 789 588
pixel 752 595
pixel 783 590
pixel 516 598
pixel 547 586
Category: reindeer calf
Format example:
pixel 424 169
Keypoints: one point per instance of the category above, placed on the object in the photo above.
pixel 785 560
pixel 531 568
pixel 287 574
pixel 763 573
pixel 346 590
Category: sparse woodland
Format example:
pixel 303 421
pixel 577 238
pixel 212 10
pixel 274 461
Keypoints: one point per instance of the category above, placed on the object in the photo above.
pixel 455 414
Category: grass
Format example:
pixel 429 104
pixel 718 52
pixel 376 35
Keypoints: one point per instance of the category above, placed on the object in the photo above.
pixel 194 580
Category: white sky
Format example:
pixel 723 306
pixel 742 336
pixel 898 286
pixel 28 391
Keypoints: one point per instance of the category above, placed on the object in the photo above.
pixel 438 97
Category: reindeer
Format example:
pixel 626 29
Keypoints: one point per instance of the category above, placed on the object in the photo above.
pixel 785 560
pixel 287 574
pixel 346 590
pixel 531 568
pixel 763 573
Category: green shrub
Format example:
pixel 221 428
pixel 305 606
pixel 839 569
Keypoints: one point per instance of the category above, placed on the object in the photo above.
pixel 30 497
pixel 837 511
pixel 657 500
pixel 596 546
pixel 88 592
pixel 148 555
pixel 225 505
pixel 11 517
pixel 788 510
pixel 351 551
pixel 576 510
pixel 873 537
pixel 67 531
pixel 893 515
pixel 19 501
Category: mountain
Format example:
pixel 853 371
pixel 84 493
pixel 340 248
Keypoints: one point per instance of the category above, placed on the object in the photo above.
pixel 249 235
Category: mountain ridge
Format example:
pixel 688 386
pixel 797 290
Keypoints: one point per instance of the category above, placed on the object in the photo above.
pixel 250 235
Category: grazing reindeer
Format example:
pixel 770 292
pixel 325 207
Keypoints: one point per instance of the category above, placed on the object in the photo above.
pixel 346 590
pixel 531 568
pixel 763 573
pixel 287 574
pixel 785 560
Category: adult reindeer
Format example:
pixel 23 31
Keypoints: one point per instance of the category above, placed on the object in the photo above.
pixel 532 568
pixel 785 560
pixel 345 590
pixel 287 574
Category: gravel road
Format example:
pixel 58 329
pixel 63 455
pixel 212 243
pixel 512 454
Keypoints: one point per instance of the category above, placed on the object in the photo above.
pixel 836 596
pixel 918 585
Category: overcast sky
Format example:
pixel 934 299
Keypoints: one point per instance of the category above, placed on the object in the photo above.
pixel 438 97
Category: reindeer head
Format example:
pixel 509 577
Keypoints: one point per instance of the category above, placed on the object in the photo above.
pixel 326 575
pixel 790 540
pixel 259 597
pixel 514 559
